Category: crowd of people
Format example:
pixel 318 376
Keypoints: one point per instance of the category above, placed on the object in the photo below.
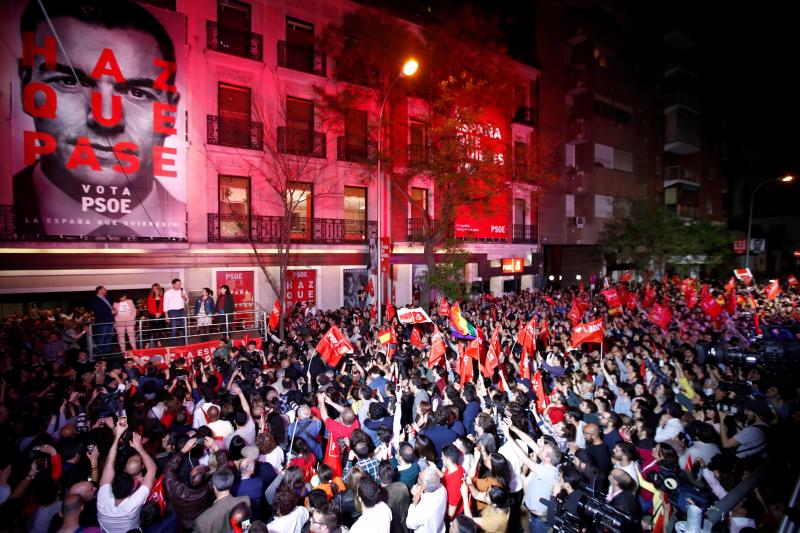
pixel 268 437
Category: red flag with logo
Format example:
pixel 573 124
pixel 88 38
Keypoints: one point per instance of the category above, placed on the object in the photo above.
pixel 575 314
pixel 731 284
pixel 710 306
pixel 588 332
pixel 444 308
pixel 772 290
pixel 613 301
pixel 633 302
pixel 690 295
pixel 438 348
pixel 390 312
pixel 649 296
pixel 333 346
pixel 704 291
pixel 549 299
pixel 492 359
pixel 624 295
pixel 744 275
pixel 525 365
pixel 275 315
pixel 538 391
pixel 416 338
pixel 464 365
pixel 660 315
pixel 626 276
pixel 791 279
pixel 527 336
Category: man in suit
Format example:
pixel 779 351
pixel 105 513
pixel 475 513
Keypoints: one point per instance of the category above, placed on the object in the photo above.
pixel 103 321
pixel 99 137
pixel 215 518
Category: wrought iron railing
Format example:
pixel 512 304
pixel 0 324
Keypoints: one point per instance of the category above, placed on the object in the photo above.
pixel 236 133
pixel 520 233
pixel 269 229
pixel 525 115
pixel 302 58
pixel 356 152
pixel 302 142
pixel 418 155
pixel 523 233
pixel 234 41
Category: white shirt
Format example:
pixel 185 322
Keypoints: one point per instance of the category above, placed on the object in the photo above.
pixel 291 523
pixel 699 450
pixel 275 458
pixel 378 519
pixel 199 417
pixel 247 432
pixel 173 300
pixel 220 428
pixel 669 431
pixel 428 515
pixel 515 462
pixel 123 517
pixel 539 485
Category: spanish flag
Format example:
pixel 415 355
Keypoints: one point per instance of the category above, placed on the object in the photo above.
pixel 387 336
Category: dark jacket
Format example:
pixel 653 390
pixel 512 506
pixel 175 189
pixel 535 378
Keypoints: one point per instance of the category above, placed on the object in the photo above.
pixel 188 502
pixel 102 311
pixel 225 304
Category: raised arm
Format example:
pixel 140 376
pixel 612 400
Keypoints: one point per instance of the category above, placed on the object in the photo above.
pixel 243 401
pixel 108 469
pixel 149 464
pixel 323 409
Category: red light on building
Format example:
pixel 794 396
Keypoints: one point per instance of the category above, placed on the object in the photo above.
pixel 513 265
pixel 797 253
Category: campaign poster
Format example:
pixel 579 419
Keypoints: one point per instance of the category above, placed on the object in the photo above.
pixel 354 287
pixel 97 129
pixel 301 287
pixel 479 221
pixel 242 285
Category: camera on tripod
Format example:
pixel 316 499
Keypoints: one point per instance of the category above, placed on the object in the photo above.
pixel 580 511
pixel 777 358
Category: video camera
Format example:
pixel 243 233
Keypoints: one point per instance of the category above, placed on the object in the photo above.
pixel 581 512
pixel 777 358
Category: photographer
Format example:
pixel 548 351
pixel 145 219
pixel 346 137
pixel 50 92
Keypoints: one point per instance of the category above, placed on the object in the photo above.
pixel 189 498
pixel 750 440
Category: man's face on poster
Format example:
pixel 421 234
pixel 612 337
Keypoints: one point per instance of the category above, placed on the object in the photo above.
pixel 349 284
pixel 134 51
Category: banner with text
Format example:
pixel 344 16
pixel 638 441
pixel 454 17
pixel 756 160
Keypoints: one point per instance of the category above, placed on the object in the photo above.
pixel 301 287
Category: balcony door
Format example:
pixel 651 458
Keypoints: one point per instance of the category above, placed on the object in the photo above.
pixel 355 213
pixel 233 19
pixel 298 197
pixel 418 140
pixel 300 125
pixel 234 115
pixel 519 212
pixel 355 131
pixel 299 45
pixel 234 207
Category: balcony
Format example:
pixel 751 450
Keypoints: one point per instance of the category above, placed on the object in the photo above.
pixel 681 98
pixel 416 229
pixel 303 58
pixel 302 142
pixel 233 41
pixel 523 233
pixel 525 115
pixel 361 152
pixel 269 229
pixel 419 155
pixel 235 133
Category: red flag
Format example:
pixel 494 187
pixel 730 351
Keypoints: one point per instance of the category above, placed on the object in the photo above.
pixel 527 336
pixel 660 315
pixel 744 275
pixel 643 370
pixel 580 289
pixel 649 296
pixel 492 360
pixel 438 349
pixel 390 312
pixel 633 301
pixel 575 314
pixel 474 348
pixel 710 306
pixel 544 333
pixel 772 290
pixel 538 391
pixel 792 280
pixel 374 311
pixel 757 323
pixel 416 338
pixel 624 295
pixel 370 288
pixel 387 336
pixel 333 346
pixel 525 365
pixel 626 276
pixel 689 294
pixel 613 301
pixel 444 308
pixel 704 291
pixel 588 332
pixel 731 302
pixel 676 280
pixel 731 284
pixel 549 299
pixel 275 315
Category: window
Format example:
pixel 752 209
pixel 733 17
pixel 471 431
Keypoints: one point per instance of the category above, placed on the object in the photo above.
pixel 355 213
pixel 419 197
pixel 234 207
pixel 300 125
pixel 299 45
pixel 520 160
pixel 603 206
pixel 603 156
pixel 612 112
pixel 419 142
pixel 233 18
pixel 355 131
pixel 623 161
pixel 234 115
pixel 519 212
pixel 299 197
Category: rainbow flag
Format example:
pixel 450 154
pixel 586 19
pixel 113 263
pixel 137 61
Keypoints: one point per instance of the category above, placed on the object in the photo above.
pixel 459 326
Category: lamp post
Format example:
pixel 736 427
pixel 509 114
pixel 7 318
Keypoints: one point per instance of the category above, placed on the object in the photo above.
pixel 409 69
pixel 785 179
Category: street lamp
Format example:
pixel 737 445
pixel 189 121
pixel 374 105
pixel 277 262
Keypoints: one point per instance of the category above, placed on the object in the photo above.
pixel 784 179
pixel 409 69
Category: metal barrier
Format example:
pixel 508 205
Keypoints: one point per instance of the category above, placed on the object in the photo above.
pixel 103 338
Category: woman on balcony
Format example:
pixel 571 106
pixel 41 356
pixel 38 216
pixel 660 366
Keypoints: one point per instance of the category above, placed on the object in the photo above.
pixel 155 311
pixel 225 306
pixel 204 311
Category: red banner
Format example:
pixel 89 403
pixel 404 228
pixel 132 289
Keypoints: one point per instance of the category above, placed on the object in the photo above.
pixel 575 314
pixel 438 349
pixel 242 285
pixel 744 275
pixel 588 332
pixel 772 290
pixel 492 355
pixel 333 346
pixel 489 221
pixel 710 306
pixel 660 315
pixel 527 336
pixel 613 301
pixel 164 355
pixel 538 391
pixel 444 308
pixel 275 315
pixel 301 286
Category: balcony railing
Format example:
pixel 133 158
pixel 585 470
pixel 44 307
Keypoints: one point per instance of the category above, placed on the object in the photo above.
pixel 362 152
pixel 525 115
pixel 233 41
pixel 302 142
pixel 302 58
pixel 417 231
pixel 523 233
pixel 235 133
pixel 419 155
pixel 269 229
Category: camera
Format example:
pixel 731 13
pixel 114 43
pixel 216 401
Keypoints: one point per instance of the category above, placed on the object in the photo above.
pixel 581 512
pixel 775 356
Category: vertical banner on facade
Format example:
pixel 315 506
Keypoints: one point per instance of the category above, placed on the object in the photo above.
pixel 354 287
pixel 301 287
pixel 242 285
pixel 97 119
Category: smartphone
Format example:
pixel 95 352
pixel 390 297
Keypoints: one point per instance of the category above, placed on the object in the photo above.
pixel 199 441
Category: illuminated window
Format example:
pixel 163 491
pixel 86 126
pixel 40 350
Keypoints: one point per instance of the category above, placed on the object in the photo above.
pixel 355 213
pixel 600 57
pixel 234 115
pixel 234 207
pixel 420 198
pixel 299 197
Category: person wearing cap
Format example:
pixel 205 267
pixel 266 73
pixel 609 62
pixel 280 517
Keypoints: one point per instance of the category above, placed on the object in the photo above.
pixel 752 439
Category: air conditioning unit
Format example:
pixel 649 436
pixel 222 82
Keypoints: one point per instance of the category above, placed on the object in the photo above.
pixel 578 222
